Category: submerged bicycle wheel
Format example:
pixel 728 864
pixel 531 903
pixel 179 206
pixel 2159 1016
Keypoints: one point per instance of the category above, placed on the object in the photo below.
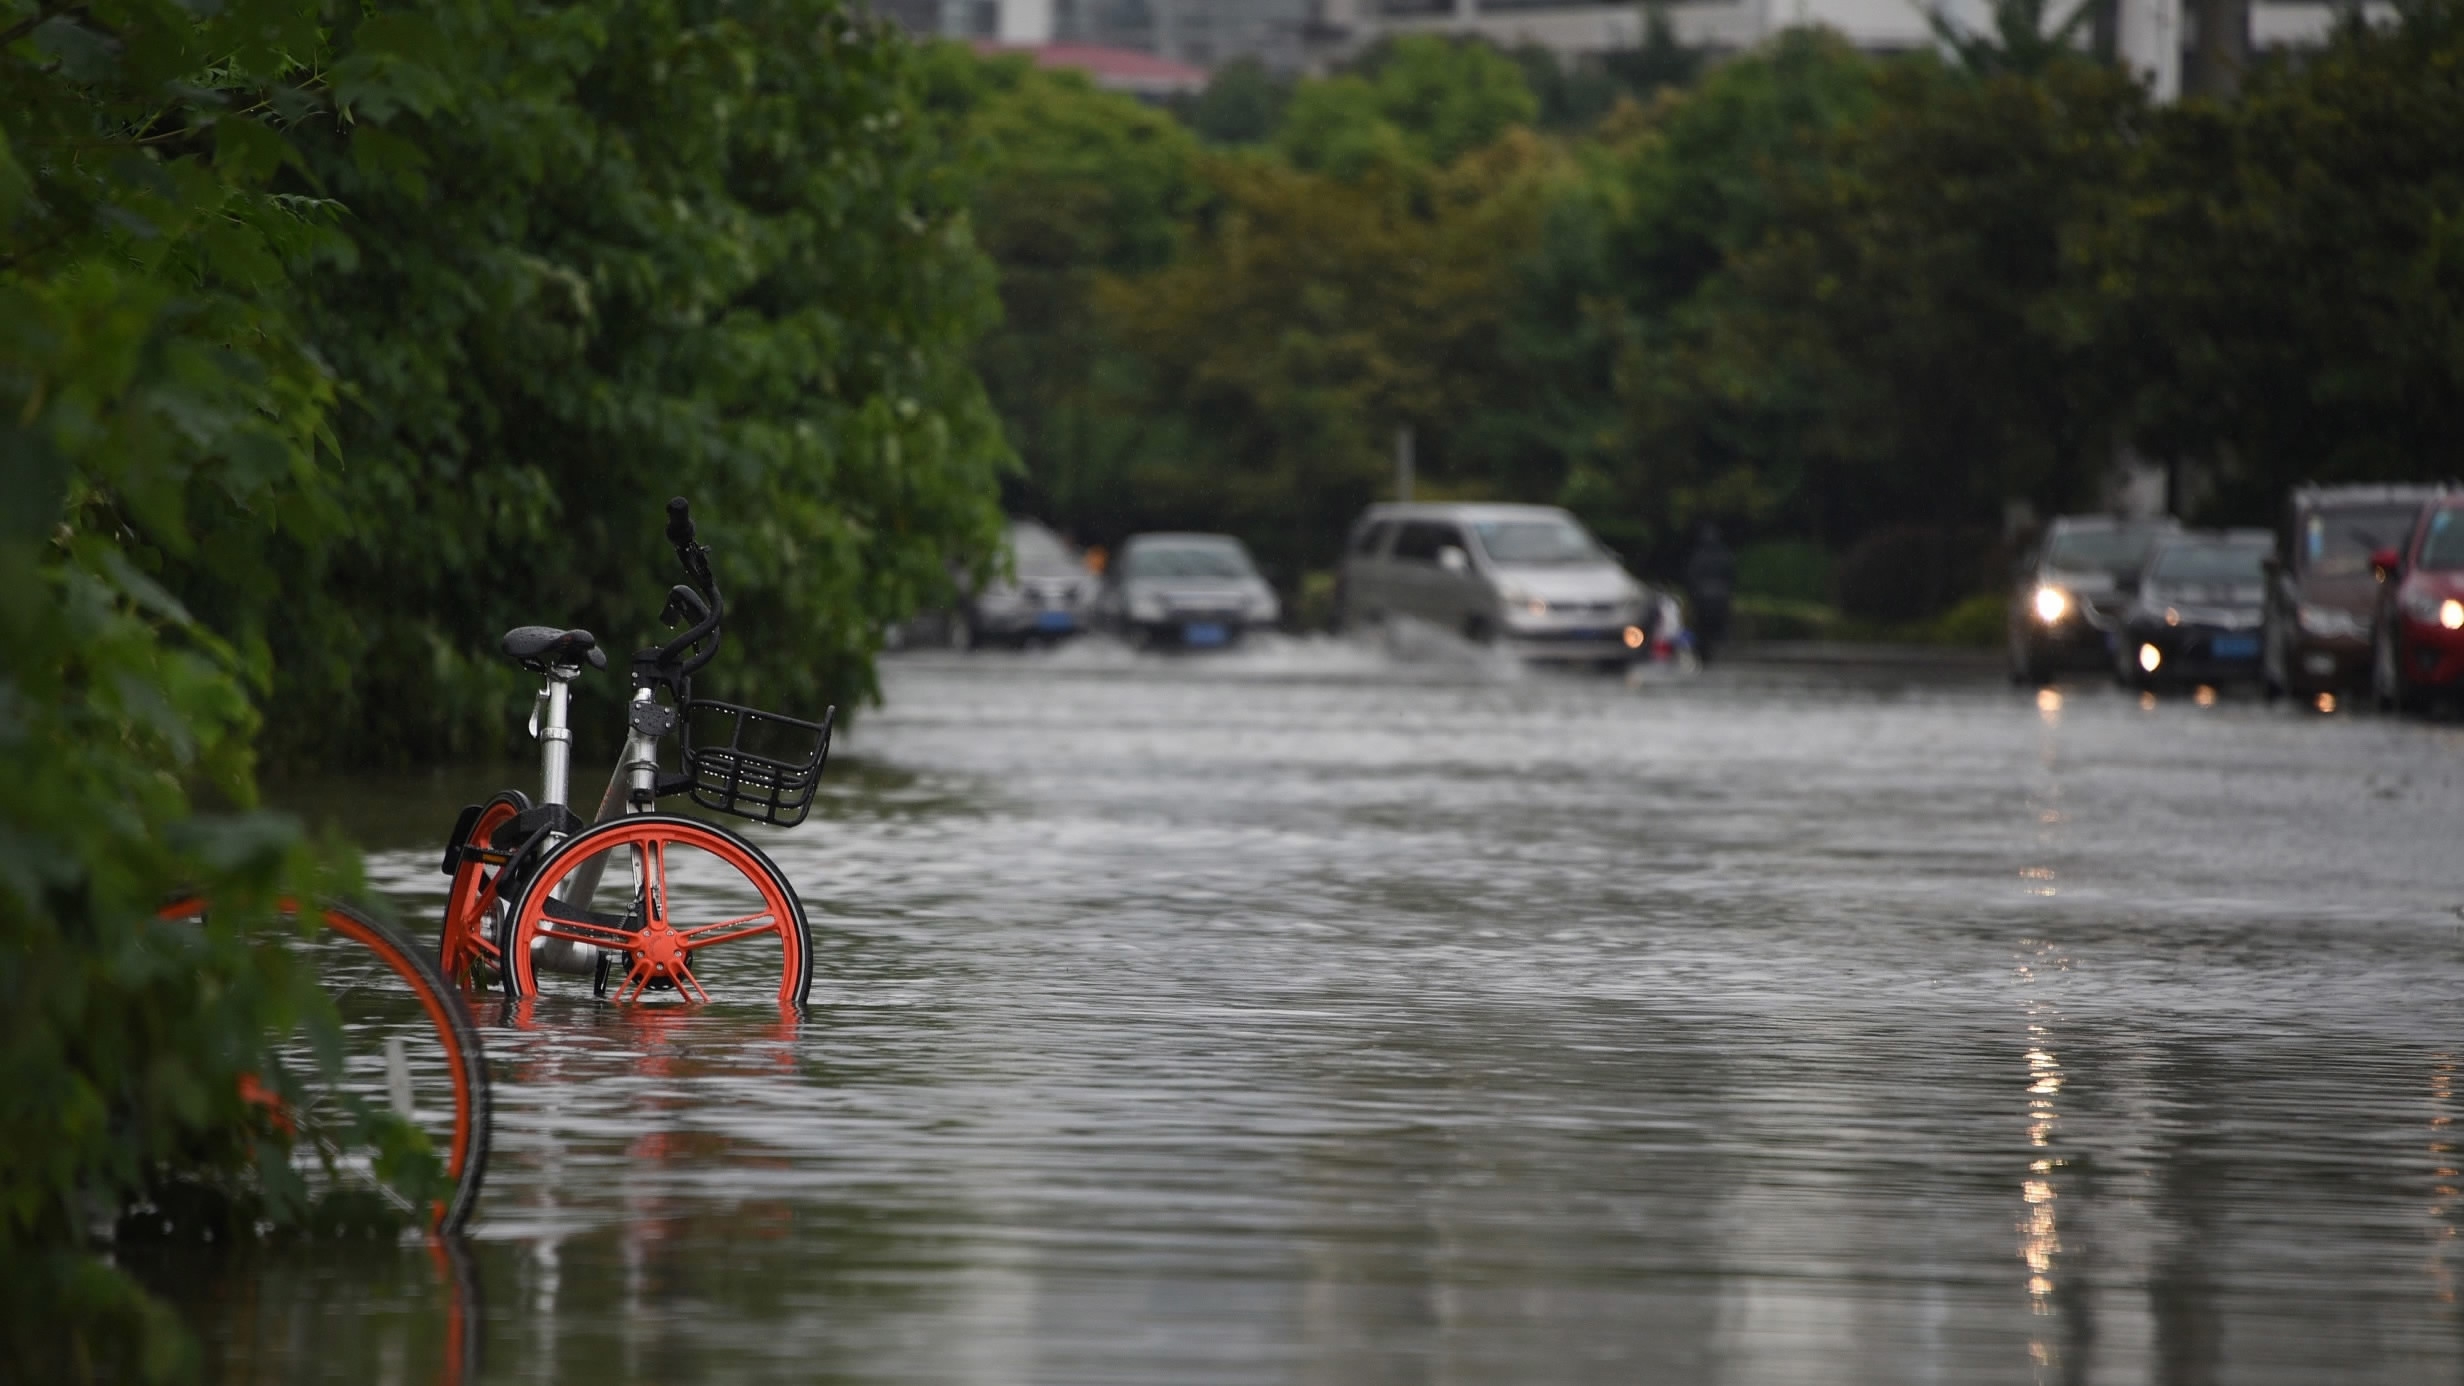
pixel 409 1058
pixel 656 904
pixel 473 905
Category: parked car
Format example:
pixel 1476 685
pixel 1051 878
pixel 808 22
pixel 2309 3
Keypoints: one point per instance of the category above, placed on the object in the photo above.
pixel 2072 589
pixel 1527 576
pixel 2417 629
pixel 2195 616
pixel 2322 591
pixel 1197 591
pixel 1045 595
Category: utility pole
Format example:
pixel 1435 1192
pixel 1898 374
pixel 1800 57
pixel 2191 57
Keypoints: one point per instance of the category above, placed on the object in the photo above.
pixel 1403 463
pixel 2220 48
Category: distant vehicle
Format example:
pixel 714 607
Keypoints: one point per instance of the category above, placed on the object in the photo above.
pixel 2322 591
pixel 1196 591
pixel 2417 630
pixel 1528 577
pixel 1045 597
pixel 2072 590
pixel 2195 618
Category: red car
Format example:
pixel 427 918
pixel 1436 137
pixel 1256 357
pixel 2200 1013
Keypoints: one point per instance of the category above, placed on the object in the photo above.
pixel 2417 640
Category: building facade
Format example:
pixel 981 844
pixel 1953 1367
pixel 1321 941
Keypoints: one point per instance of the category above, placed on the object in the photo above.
pixel 1205 33
pixel 1292 35
pixel 2151 32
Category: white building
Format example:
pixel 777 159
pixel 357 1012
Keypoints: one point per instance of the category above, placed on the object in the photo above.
pixel 2148 29
pixel 1200 32
pixel 1292 34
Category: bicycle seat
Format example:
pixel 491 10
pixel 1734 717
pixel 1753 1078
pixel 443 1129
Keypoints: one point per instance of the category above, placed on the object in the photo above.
pixel 540 648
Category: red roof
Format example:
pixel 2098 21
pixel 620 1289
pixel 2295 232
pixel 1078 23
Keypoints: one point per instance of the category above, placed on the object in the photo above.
pixel 1121 69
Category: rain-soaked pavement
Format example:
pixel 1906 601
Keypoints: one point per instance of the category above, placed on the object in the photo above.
pixel 1303 1016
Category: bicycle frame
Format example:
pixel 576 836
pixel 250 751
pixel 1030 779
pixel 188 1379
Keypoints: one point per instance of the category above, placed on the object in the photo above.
pixel 633 788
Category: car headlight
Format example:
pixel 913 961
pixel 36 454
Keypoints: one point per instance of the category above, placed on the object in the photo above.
pixel 2051 603
pixel 2451 614
pixel 1146 607
pixel 1261 606
pixel 2420 606
pixel 2327 620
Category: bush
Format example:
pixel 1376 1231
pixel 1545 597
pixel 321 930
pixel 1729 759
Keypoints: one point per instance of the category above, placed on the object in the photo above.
pixel 1907 574
pixel 1790 569
pixel 1979 622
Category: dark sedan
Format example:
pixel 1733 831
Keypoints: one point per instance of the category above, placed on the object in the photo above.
pixel 2197 613
pixel 2072 589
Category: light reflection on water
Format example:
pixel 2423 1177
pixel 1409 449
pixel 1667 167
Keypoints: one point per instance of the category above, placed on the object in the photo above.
pixel 1296 1017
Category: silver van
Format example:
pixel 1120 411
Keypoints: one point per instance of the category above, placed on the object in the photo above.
pixel 1529 577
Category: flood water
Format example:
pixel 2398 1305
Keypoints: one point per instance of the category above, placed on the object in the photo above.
pixel 1305 1016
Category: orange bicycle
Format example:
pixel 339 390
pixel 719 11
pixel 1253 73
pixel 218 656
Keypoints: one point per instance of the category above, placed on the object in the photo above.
pixel 641 903
pixel 409 1078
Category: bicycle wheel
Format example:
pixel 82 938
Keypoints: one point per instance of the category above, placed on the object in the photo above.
pixel 408 1049
pixel 472 904
pixel 671 904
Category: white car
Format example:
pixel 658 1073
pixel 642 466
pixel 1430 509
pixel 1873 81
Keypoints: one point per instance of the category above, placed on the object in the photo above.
pixel 1045 597
pixel 1194 591
pixel 1529 578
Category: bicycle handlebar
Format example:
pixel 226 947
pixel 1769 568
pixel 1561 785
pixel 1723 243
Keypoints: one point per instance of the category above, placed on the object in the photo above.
pixel 669 660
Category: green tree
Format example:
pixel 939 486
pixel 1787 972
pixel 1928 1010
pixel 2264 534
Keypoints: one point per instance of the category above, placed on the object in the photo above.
pixel 1307 317
pixel 1615 402
pixel 2289 279
pixel 1420 97
pixel 628 250
pixel 1935 285
pixel 1242 104
pixel 1073 184
pixel 160 410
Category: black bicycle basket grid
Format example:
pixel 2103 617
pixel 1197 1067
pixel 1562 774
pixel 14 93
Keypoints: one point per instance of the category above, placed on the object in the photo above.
pixel 758 765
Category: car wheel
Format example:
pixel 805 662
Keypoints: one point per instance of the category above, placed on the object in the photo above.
pixel 1476 629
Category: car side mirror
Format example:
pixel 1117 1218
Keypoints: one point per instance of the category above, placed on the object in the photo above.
pixel 2384 563
pixel 1453 559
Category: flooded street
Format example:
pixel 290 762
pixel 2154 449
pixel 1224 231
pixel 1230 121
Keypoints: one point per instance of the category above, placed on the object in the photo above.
pixel 1302 1016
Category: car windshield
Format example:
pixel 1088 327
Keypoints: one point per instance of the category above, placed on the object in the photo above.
pixel 2338 543
pixel 2116 551
pixel 1536 541
pixel 1040 552
pixel 2442 549
pixel 1188 560
pixel 2210 563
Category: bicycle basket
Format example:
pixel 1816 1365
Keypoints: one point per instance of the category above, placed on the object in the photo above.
pixel 758 765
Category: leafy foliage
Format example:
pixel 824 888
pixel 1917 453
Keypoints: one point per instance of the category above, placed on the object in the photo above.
pixel 150 370
pixel 1071 185
pixel 1418 98
pixel 1308 316
pixel 613 253
pixel 2288 279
